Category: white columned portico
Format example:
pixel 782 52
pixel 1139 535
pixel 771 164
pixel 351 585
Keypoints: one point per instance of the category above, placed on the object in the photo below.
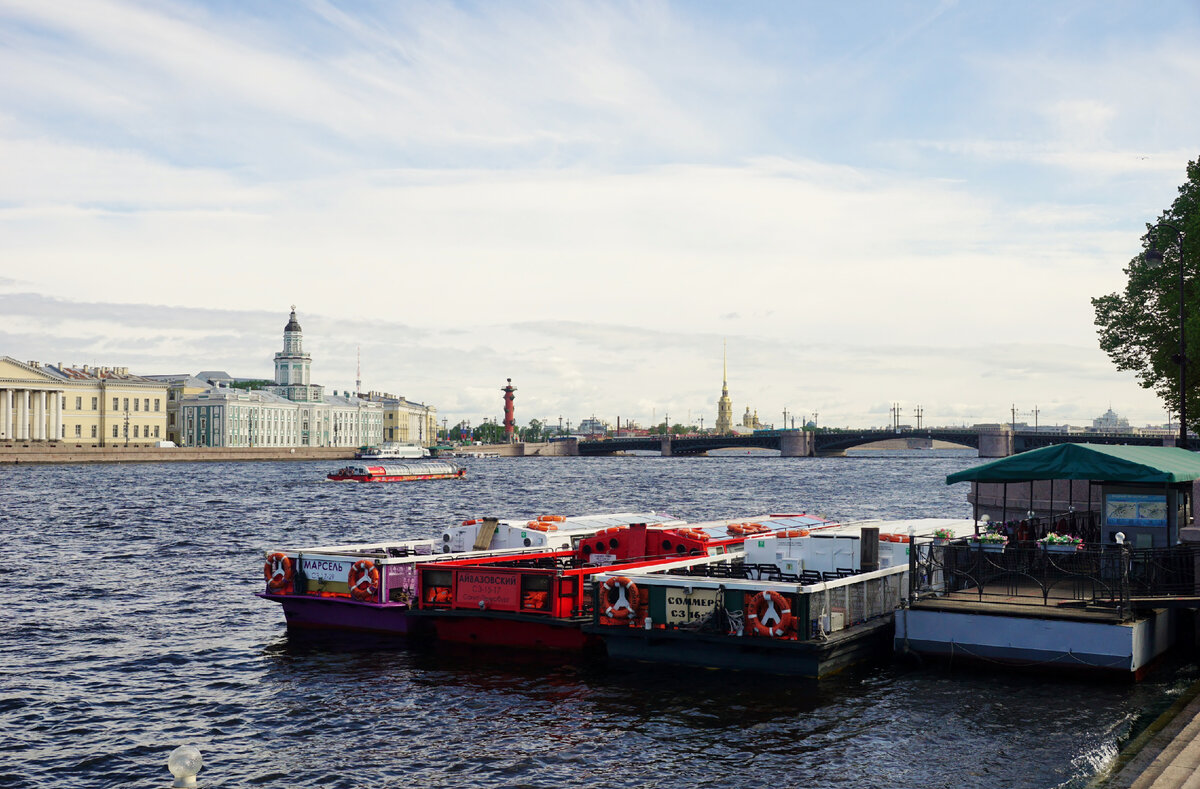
pixel 23 415
pixel 6 420
pixel 39 417
pixel 56 412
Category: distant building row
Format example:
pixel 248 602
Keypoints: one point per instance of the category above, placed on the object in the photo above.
pixel 107 406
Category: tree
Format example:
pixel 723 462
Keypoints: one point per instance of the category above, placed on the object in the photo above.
pixel 534 432
pixel 1139 327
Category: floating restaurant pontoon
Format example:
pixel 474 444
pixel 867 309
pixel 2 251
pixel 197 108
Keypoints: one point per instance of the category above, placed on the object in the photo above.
pixel 1096 591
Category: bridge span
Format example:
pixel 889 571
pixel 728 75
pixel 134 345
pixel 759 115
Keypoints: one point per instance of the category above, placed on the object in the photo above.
pixel 809 443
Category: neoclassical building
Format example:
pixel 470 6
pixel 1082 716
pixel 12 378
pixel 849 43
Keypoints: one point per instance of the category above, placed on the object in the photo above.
pixel 293 412
pixel 87 406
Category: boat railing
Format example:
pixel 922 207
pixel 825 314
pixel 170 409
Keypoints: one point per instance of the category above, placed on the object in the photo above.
pixel 1031 574
pixel 821 604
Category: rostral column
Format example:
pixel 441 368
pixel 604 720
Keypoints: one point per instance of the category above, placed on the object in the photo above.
pixel 509 422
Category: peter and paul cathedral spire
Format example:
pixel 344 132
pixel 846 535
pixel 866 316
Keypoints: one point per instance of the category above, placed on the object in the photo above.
pixel 724 405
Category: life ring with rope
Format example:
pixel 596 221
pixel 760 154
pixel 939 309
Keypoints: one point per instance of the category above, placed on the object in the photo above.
pixel 277 571
pixel 364 580
pixel 626 602
pixel 769 614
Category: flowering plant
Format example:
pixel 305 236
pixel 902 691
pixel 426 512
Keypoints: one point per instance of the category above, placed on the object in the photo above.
pixel 991 537
pixel 943 534
pixel 1053 538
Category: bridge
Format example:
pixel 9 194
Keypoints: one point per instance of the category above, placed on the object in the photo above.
pixel 808 443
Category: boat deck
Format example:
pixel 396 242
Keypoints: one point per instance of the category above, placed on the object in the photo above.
pixel 1022 600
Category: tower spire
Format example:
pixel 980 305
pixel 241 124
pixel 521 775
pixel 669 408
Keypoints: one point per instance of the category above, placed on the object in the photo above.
pixel 358 371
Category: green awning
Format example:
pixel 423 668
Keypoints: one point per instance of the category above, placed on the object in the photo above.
pixel 1089 461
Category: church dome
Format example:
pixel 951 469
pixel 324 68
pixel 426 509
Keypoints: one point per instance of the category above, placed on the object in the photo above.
pixel 293 324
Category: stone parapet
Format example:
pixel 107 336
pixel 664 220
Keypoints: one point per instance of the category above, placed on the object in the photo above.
pixel 71 453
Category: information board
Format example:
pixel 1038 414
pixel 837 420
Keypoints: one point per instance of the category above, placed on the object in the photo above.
pixel 1137 510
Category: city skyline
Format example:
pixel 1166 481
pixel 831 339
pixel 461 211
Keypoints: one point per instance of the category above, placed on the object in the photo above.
pixel 873 204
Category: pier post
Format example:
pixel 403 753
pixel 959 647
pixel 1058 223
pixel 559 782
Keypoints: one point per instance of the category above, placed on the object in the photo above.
pixel 666 446
pixel 997 444
pixel 795 444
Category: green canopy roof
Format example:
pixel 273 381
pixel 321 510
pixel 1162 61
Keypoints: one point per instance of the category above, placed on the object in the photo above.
pixel 1089 461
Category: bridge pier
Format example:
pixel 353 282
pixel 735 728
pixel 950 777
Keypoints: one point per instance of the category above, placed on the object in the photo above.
pixel 997 444
pixel 796 444
pixel 666 446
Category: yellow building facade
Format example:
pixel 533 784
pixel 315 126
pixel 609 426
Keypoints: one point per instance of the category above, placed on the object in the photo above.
pixel 86 406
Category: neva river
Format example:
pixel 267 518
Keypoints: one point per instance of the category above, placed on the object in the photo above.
pixel 130 626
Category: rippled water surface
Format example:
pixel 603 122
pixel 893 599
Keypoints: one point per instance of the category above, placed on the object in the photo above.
pixel 131 627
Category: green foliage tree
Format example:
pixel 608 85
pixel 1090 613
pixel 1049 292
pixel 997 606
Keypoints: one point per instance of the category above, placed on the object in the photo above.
pixel 489 433
pixel 258 384
pixel 1139 326
pixel 534 431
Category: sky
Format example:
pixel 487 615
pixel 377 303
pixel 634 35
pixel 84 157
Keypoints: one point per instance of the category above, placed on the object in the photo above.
pixel 867 203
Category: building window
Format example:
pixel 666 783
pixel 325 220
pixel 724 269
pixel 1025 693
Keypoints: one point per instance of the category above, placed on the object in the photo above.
pixel 116 404
pixel 78 431
pixel 135 404
pixel 135 431
pixel 94 431
pixel 156 404
pixel 170 420
pixel 115 431
pixel 126 403
pixel 78 404
pixel 95 404
pixel 147 404
pixel 156 431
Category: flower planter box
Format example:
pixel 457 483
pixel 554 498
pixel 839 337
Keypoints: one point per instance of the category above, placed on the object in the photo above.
pixel 989 547
pixel 1060 548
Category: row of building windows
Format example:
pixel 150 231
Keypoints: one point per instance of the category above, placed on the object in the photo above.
pixel 142 404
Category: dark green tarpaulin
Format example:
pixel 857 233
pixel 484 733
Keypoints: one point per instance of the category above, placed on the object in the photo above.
pixel 1097 462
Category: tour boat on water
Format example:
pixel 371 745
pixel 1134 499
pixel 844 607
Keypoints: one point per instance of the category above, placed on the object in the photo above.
pixel 372 587
pixel 392 450
pixel 399 472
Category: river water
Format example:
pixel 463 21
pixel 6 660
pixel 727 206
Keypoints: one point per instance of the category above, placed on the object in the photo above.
pixel 130 627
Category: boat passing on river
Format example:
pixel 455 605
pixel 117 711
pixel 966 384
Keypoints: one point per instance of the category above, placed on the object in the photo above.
pixel 399 471
pixel 392 450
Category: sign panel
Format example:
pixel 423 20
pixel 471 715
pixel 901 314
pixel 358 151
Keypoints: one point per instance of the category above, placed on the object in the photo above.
pixel 1132 509
pixel 327 568
pixel 683 608
pixel 496 590
pixel 402 577
pixel 603 559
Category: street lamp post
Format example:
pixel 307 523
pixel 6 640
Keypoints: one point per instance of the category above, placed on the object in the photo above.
pixel 1156 256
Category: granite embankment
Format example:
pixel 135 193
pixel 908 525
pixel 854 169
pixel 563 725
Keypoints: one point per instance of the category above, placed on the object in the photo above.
pixel 70 453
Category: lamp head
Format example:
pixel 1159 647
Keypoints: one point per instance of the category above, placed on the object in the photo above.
pixel 184 762
pixel 1154 255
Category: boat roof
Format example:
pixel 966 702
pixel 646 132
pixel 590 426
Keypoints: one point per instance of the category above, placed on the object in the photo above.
pixel 1099 462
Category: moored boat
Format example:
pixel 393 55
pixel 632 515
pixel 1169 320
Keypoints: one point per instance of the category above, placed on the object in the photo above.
pixel 544 600
pixel 399 472
pixel 392 450
pixel 372 587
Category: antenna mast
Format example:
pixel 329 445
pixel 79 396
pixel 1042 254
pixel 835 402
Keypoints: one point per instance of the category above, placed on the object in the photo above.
pixel 358 371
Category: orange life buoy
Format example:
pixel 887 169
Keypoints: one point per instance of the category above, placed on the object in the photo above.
pixel 552 518
pixel 625 606
pixel 278 571
pixel 769 614
pixel 794 533
pixel 694 534
pixel 736 529
pixel 364 580
pixel 472 521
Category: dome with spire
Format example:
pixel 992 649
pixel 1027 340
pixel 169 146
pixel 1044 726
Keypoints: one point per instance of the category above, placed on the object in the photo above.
pixel 293 324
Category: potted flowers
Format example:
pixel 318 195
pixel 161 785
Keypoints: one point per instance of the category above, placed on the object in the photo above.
pixel 942 536
pixel 989 541
pixel 1061 543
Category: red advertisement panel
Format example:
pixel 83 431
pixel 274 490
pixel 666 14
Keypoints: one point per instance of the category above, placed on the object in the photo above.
pixel 497 590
